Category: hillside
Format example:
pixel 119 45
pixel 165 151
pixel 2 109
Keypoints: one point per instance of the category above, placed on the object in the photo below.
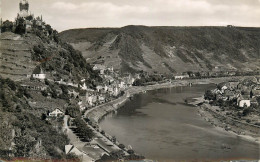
pixel 23 134
pixel 27 129
pixel 22 55
pixel 168 49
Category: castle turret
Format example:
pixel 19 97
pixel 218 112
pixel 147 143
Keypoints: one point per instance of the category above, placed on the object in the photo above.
pixel 24 5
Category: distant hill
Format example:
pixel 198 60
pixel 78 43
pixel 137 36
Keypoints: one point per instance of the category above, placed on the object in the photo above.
pixel 168 49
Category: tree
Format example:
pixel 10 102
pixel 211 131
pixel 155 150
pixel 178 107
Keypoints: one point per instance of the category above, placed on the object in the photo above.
pixel 121 146
pixel 44 93
pixel 44 116
pixel 73 111
pixel 246 111
pixel 7 26
pixel 20 28
pixel 82 129
pixel 46 81
pixel 209 95
pixel 10 84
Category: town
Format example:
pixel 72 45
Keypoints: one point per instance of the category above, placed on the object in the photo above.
pixel 234 105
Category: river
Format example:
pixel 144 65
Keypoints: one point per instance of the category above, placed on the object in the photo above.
pixel 159 125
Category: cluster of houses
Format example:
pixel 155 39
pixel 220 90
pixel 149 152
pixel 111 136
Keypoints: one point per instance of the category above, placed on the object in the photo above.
pixel 244 92
pixel 112 87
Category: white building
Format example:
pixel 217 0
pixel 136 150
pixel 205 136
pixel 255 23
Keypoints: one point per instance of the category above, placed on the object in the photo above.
pixel 89 100
pixel 99 87
pixel 181 76
pixel 105 88
pixel 116 91
pixel 122 85
pixel 84 87
pixel 56 112
pixel 100 68
pixel 242 103
pixel 101 99
pixel 41 75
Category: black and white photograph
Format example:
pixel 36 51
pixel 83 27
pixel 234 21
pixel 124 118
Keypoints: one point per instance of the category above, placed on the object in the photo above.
pixel 129 80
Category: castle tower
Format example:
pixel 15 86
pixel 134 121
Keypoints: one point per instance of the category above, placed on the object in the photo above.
pixel 24 9
pixel 24 5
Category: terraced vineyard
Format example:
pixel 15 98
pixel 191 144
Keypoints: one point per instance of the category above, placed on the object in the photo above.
pixel 15 56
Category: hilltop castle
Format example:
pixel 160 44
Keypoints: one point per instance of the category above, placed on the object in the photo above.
pixel 24 9
pixel 26 20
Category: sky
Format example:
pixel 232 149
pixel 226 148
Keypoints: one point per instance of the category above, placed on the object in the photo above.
pixel 68 14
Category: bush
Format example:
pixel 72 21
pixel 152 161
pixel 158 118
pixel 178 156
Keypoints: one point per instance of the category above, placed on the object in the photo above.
pixel 44 93
pixel 246 111
pixel 7 26
pixel 73 111
pixel 209 95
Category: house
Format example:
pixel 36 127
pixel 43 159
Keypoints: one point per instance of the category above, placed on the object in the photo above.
pixel 56 113
pixel 89 99
pixel 84 87
pixel 242 103
pixel 229 94
pixel 111 69
pixel 122 85
pixel 233 84
pixel 39 76
pixel 72 149
pixel 181 76
pixel 74 93
pixel 99 88
pixel 105 88
pixel 100 68
pixel 243 100
pixel 223 86
pixel 230 26
pixel 101 99
pixel 35 86
pixel 115 91
pixel 81 105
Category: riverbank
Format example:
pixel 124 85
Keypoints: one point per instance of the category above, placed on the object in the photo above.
pixel 97 113
pixel 222 122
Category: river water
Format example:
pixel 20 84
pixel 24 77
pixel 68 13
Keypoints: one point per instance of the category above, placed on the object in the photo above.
pixel 159 125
